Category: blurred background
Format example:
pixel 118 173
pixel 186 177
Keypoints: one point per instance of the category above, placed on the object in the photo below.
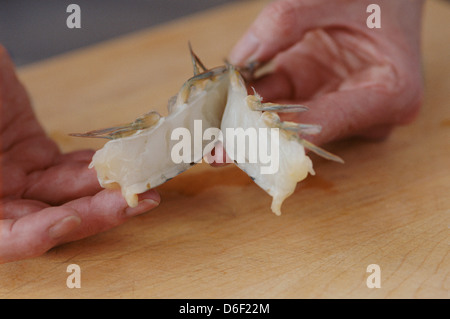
pixel 34 30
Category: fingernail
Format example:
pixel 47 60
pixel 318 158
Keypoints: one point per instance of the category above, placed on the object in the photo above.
pixel 64 226
pixel 144 206
pixel 244 50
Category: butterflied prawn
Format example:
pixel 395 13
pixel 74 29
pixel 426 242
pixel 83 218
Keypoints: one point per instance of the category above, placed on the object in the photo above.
pixel 137 156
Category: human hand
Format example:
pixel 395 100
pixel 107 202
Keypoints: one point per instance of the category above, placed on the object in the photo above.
pixel 47 198
pixel 355 80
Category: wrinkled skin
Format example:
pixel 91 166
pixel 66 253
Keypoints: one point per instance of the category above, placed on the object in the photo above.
pixel 356 81
pixel 47 198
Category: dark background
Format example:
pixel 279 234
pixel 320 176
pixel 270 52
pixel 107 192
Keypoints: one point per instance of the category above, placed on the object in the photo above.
pixel 32 30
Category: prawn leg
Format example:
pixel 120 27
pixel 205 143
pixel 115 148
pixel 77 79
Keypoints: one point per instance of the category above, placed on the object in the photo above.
pixel 255 103
pixel 199 67
pixel 296 129
pixel 320 151
pixel 308 129
pixel 280 108
pixel 197 81
pixel 141 123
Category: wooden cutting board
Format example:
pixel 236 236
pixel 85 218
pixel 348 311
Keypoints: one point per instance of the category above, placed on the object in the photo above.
pixel 214 236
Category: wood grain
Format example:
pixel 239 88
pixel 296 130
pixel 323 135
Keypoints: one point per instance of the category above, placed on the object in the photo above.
pixel 214 235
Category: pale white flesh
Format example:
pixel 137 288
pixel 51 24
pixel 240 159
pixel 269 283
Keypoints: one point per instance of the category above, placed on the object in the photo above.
pixel 293 164
pixel 143 161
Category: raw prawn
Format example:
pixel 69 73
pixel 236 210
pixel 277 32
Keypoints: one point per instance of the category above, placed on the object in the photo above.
pixel 138 155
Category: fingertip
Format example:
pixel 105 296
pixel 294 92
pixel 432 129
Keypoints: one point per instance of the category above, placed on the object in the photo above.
pixel 150 195
pixel 112 206
pixel 244 50
pixel 275 29
pixel 146 201
pixel 143 206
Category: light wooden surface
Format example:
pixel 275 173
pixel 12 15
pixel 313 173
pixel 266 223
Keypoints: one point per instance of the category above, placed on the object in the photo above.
pixel 214 236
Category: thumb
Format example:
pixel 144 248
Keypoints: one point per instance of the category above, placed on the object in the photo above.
pixel 283 23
